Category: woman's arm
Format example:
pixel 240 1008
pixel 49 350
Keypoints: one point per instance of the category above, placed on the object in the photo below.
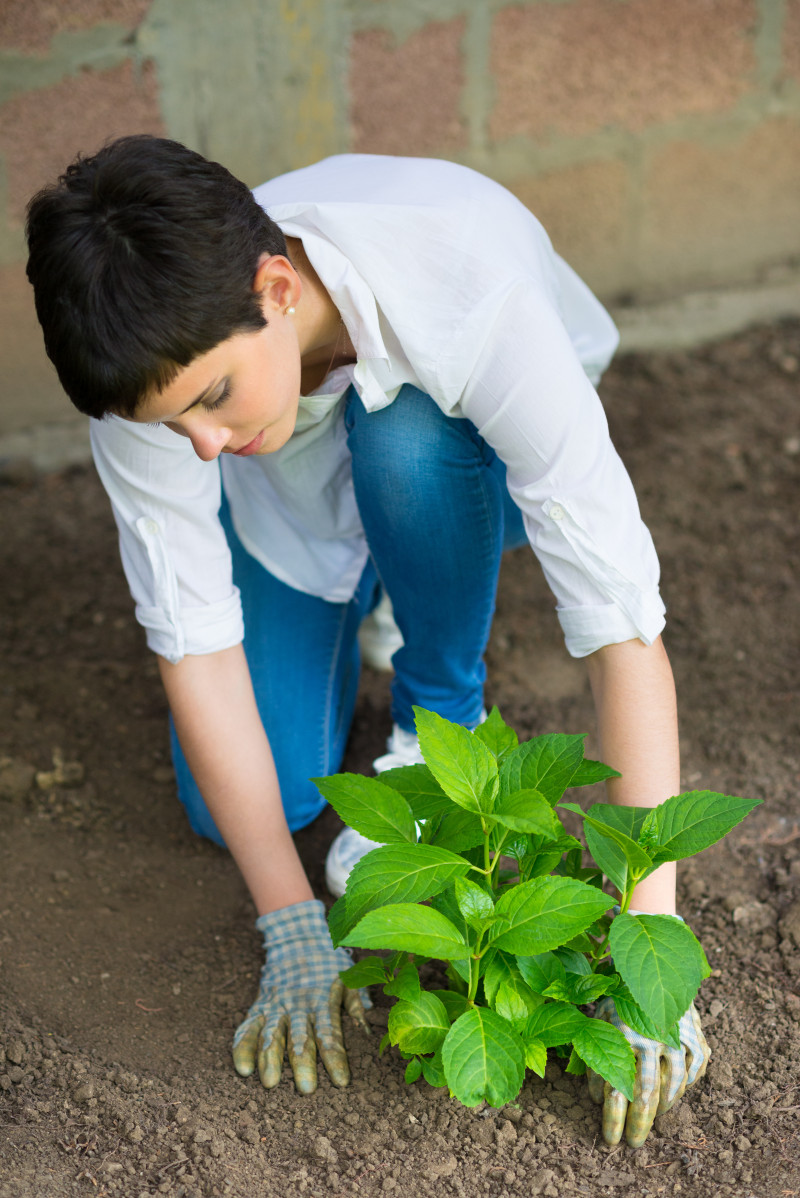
pixel 217 721
pixel 634 696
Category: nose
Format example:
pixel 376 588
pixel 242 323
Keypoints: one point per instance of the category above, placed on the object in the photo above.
pixel 208 440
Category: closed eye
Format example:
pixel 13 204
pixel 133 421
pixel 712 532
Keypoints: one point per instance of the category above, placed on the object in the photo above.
pixel 224 395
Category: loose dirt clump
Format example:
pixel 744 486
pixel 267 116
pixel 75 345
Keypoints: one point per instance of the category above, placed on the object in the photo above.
pixel 127 953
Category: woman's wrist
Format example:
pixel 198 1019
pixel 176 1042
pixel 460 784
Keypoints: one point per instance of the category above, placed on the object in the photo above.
pixel 656 894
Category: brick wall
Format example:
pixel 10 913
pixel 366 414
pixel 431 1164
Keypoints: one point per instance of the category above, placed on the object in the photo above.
pixel 659 143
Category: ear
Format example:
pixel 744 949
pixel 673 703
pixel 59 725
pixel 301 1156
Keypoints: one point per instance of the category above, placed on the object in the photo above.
pixel 277 282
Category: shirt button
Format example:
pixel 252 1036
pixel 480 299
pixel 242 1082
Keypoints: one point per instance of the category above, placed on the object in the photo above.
pixel 152 528
pixel 556 512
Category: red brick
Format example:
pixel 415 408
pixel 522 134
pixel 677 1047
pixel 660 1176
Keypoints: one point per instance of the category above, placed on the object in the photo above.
pixel 29 25
pixel 405 98
pixel 717 214
pixel 42 131
pixel 791 39
pixel 574 68
pixel 585 211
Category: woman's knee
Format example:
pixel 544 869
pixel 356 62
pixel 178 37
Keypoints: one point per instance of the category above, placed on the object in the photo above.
pixel 415 456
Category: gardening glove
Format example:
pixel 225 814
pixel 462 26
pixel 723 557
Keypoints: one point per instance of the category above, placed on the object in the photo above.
pixel 662 1075
pixel 300 1000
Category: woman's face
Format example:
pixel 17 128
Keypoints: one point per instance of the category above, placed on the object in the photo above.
pixel 241 397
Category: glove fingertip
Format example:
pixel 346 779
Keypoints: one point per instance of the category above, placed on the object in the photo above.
pixel 596 1085
pixel 244 1067
pixel 637 1138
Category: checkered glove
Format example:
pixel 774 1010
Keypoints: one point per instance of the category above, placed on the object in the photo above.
pixel 300 1000
pixel 662 1075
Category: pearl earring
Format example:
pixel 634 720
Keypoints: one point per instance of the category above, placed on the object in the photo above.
pixel 290 311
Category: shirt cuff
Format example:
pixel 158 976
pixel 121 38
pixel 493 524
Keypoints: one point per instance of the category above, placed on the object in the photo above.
pixel 587 629
pixel 196 631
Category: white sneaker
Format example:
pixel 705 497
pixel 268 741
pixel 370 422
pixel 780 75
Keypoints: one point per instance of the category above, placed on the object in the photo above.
pixel 350 846
pixel 402 749
pixel 379 636
pixel 346 851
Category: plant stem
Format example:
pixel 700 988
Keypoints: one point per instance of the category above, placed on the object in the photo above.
pixel 625 901
pixel 474 970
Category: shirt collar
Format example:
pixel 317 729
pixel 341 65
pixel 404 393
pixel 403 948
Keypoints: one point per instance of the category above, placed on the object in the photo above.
pixel 355 302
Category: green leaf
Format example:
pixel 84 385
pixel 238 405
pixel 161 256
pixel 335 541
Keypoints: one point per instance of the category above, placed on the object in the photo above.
pixel 433 1070
pixel 690 822
pixel 629 820
pixel 581 990
pixel 631 1013
pixel 590 772
pixel 459 831
pixel 373 809
pixel 554 1023
pixel 527 811
pixel 413 1071
pixel 462 765
pixel 517 846
pixel 496 735
pixel 541 970
pixel 454 1004
pixel 561 991
pixel 338 923
pixel 660 961
pixel 474 903
pixel 412 928
pixel 405 983
pixel 536 1056
pixel 637 860
pixel 540 864
pixel 499 968
pixel 459 972
pixel 515 1001
pixel 420 790
pixel 483 1059
pixel 384 1044
pixel 608 855
pixel 546 764
pixel 369 971
pixel 445 903
pixel 593 986
pixel 575 1065
pixel 572 960
pixel 581 943
pixel 418 1026
pixel 400 873
pixel 609 858
pixel 572 865
pixel 546 912
pixel 604 1049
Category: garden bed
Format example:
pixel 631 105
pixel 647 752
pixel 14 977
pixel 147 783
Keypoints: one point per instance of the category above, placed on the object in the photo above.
pixel 127 953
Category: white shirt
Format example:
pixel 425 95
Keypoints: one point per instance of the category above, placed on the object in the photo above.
pixel 446 281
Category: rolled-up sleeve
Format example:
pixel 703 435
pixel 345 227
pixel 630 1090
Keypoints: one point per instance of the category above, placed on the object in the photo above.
pixel 531 400
pixel 174 552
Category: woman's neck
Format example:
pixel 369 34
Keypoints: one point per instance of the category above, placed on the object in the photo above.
pixel 324 340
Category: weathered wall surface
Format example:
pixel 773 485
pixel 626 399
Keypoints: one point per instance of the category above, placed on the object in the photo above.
pixel 659 143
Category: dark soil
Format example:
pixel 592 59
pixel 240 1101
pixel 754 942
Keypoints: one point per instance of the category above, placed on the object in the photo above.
pixel 127 951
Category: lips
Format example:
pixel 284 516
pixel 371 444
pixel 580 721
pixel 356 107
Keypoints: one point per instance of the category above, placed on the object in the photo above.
pixel 251 447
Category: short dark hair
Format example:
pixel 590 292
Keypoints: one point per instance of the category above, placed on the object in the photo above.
pixel 142 258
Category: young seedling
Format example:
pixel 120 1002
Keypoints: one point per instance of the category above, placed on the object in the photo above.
pixel 524 948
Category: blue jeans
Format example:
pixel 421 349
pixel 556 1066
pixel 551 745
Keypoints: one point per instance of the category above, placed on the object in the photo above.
pixel 437 516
